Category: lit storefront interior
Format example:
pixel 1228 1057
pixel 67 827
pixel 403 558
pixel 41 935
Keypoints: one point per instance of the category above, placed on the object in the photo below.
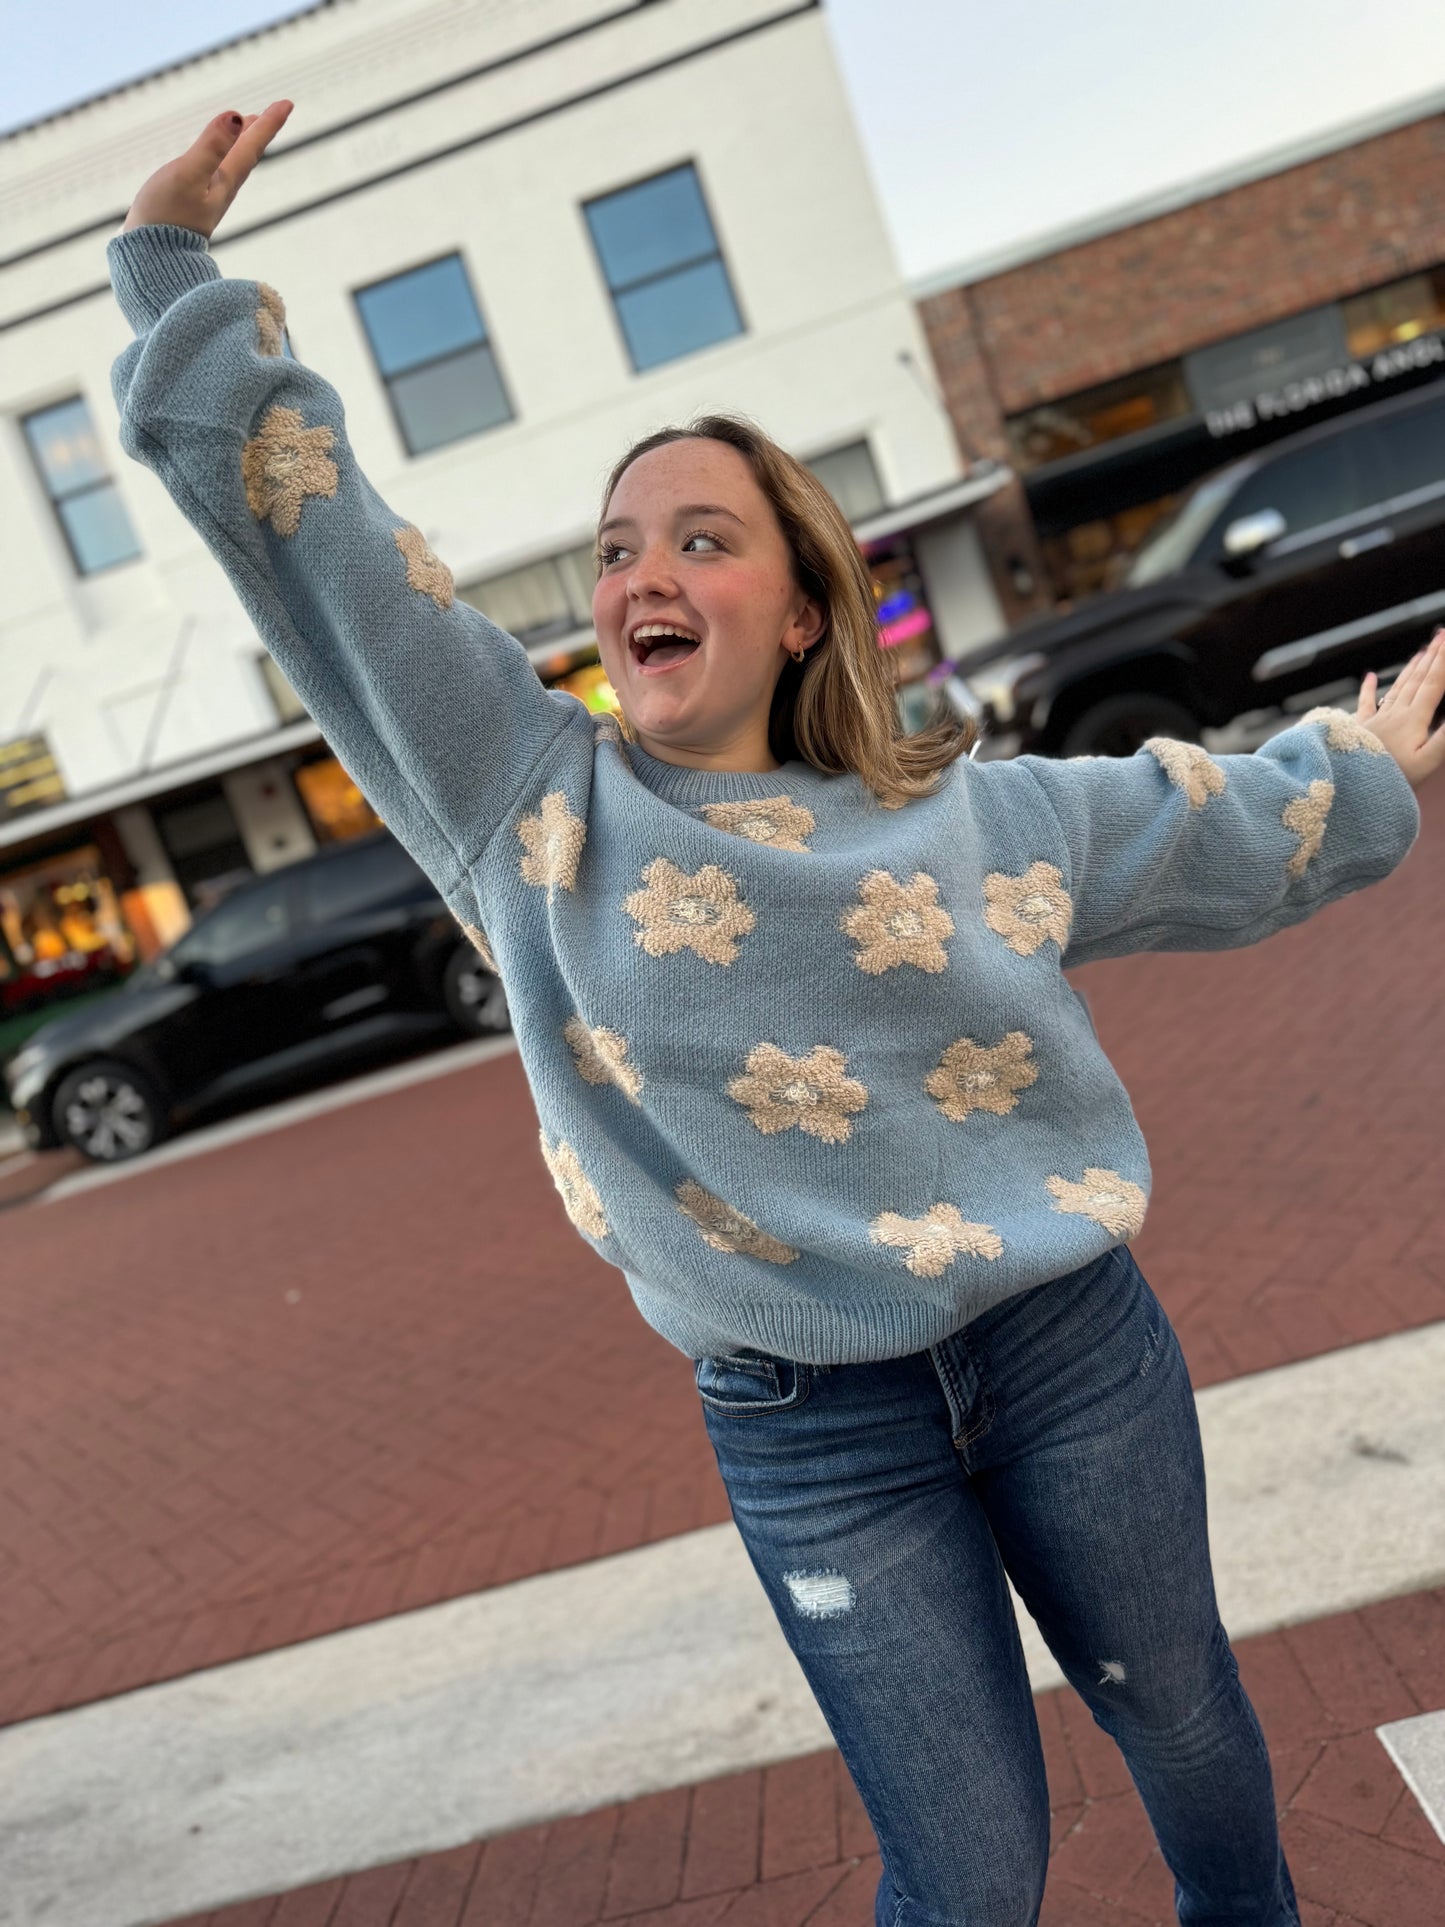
pixel 1102 467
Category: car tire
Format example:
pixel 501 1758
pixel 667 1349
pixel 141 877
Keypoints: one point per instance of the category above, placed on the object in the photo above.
pixel 473 995
pixel 109 1112
pixel 1119 725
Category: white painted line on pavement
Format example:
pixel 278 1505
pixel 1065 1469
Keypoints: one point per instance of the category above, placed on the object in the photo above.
pixel 628 1675
pixel 1417 1747
pixel 276 1117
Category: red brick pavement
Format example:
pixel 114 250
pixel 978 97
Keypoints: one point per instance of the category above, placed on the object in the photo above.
pixel 790 1846
pixel 362 1364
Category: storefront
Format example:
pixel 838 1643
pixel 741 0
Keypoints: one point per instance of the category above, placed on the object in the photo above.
pixel 1101 467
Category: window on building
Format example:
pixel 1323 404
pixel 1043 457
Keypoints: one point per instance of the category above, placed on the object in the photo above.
pixel 663 267
pixel 430 343
pixel 1104 414
pixel 850 477
pixel 541 602
pixel 68 457
pixel 1390 316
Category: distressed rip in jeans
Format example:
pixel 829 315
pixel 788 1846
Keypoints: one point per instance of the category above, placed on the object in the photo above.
pixel 1054 1440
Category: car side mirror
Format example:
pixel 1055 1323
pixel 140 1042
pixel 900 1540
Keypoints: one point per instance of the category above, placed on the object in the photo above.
pixel 1244 538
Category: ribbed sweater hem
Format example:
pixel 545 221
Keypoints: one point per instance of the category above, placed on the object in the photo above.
pixel 152 267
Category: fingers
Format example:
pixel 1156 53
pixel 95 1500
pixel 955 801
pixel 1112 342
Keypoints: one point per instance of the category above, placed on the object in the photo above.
pixel 1366 707
pixel 253 137
pixel 213 143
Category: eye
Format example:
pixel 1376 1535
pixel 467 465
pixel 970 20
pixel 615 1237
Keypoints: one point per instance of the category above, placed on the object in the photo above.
pixel 704 535
pixel 607 554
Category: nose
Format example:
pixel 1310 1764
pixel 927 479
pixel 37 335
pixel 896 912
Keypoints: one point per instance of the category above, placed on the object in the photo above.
pixel 651 575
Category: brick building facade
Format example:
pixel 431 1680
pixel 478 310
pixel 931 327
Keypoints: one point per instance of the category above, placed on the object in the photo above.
pixel 1113 370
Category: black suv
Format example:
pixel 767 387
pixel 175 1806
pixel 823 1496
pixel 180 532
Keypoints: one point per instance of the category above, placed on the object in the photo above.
pixel 346 953
pixel 1299 567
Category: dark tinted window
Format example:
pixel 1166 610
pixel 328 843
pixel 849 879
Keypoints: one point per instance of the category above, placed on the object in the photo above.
pixel 253 919
pixel 358 879
pixel 1311 485
pixel 1409 450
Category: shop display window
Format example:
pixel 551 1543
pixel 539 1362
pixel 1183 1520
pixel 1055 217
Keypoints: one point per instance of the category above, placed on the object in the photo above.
pixel 336 807
pixel 905 622
pixel 1401 312
pixel 61 930
pixel 1129 406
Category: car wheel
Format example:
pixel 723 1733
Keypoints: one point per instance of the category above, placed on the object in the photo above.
pixel 473 995
pixel 109 1112
pixel 1119 725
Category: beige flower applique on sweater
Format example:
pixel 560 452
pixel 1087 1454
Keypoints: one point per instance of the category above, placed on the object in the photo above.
pixel 897 923
pixel 1305 815
pixel 775 820
pixel 1027 910
pixel 1189 768
pixel 976 1077
pixel 728 1230
pixel 283 463
pixel 579 1197
pixel 601 1056
pixel 1346 732
pixel 936 1239
pixel 1114 1202
pixel 553 840
pixel 813 1092
pixel 425 570
pixel 702 912
pixel 270 321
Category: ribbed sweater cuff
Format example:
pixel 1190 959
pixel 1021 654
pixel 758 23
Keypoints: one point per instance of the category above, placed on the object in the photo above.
pixel 152 267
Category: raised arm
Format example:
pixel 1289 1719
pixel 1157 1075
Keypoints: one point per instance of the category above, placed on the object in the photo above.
pixel 1174 849
pixel 437 714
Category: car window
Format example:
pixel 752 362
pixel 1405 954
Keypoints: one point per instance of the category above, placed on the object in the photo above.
pixel 1173 543
pixel 1309 486
pixel 355 880
pixel 1409 451
pixel 252 919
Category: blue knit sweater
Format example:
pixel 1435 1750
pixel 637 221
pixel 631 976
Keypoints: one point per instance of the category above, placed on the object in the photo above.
pixel 808 1070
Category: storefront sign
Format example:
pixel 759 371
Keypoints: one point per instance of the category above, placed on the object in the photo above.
pixel 1330 384
pixel 29 778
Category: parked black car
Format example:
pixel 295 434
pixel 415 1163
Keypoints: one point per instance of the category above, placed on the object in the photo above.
pixel 1303 565
pixel 346 953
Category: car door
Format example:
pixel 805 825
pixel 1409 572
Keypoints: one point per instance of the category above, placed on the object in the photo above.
pixel 1405 542
pixel 239 963
pixel 359 917
pixel 1307 582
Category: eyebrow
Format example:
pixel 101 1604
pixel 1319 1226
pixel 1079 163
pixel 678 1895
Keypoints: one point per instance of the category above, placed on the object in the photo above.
pixel 682 514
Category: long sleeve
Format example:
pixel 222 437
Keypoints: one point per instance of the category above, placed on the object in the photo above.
pixel 437 714
pixel 1174 849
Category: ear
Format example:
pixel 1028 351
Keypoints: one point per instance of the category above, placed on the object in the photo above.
pixel 807 624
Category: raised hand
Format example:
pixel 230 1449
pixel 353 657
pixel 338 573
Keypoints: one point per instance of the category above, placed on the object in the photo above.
pixel 1402 720
pixel 195 189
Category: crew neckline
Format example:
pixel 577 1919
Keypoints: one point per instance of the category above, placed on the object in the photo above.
pixel 681 783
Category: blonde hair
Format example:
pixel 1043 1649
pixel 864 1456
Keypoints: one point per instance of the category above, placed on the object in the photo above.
pixel 836 708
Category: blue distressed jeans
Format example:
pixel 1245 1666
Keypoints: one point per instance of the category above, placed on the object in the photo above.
pixel 1054 1440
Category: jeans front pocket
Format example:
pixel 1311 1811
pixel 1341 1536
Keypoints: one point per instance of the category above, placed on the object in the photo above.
pixel 741 1382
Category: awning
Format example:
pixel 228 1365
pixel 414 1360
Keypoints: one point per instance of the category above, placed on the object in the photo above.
pixel 155 782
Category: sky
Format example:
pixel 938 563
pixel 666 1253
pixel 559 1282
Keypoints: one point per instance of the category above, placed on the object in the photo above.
pixel 985 122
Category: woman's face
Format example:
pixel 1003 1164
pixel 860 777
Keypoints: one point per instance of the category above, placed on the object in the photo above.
pixel 696 606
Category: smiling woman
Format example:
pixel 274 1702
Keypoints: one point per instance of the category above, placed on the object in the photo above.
pixel 806 1068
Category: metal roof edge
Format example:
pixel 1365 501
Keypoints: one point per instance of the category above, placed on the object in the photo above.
pixel 981 482
pixel 1169 200
pixel 136 789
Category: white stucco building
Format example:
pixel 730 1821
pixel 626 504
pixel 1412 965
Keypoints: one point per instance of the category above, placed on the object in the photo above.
pixel 515 234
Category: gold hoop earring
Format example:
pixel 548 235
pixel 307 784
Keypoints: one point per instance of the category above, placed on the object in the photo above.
pixel 798 655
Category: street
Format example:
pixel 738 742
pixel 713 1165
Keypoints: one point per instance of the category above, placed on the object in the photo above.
pixel 358 1364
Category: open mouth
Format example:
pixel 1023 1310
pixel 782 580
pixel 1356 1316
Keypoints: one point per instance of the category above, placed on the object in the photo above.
pixel 662 645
